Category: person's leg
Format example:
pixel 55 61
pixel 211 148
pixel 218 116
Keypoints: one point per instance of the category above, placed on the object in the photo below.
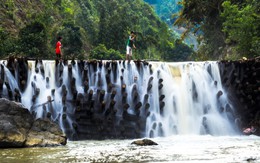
pixel 58 57
pixel 130 55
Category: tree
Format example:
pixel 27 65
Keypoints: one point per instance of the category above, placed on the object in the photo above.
pixel 7 43
pixel 241 26
pixel 84 25
pixel 72 41
pixel 221 25
pixel 102 53
pixel 33 40
pixel 202 17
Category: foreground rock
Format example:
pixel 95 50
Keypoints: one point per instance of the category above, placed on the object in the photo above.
pixel 144 142
pixel 19 129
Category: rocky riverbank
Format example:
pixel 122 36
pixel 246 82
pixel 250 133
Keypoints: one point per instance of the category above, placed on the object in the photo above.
pixel 19 129
pixel 242 81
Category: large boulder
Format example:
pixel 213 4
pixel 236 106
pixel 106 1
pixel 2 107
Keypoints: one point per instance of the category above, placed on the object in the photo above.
pixel 18 128
pixel 15 123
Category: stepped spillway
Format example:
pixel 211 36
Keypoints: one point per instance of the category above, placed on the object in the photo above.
pixel 117 99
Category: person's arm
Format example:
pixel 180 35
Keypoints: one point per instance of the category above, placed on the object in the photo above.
pixel 133 38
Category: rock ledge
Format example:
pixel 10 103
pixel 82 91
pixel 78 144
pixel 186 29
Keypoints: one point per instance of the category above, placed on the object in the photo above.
pixel 19 129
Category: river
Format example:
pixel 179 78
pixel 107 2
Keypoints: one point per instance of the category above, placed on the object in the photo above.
pixel 190 148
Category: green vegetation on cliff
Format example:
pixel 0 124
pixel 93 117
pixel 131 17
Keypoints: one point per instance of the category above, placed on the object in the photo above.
pixel 226 29
pixel 90 29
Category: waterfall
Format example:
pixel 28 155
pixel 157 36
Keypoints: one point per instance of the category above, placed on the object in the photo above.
pixel 195 101
pixel 117 99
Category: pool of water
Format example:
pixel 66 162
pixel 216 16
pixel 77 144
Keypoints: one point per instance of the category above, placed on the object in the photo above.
pixel 170 149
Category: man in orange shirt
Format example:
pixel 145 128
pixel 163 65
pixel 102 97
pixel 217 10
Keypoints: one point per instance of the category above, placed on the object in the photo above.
pixel 58 48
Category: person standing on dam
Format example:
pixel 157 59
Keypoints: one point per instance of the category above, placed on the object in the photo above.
pixel 130 45
pixel 58 48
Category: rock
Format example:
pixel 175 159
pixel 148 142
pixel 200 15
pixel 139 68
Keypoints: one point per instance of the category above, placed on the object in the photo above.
pixel 15 122
pixel 144 142
pixel 18 128
pixel 45 133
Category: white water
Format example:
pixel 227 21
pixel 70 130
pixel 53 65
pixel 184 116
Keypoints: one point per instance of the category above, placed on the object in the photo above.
pixel 184 114
pixel 192 149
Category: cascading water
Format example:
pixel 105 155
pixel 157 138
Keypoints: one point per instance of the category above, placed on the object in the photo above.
pixel 195 102
pixel 104 99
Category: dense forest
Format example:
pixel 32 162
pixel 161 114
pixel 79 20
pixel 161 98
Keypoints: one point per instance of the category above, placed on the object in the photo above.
pixel 90 30
pixel 225 29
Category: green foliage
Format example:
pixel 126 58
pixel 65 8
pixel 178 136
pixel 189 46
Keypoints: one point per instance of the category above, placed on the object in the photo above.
pixel 86 24
pixel 33 40
pixel 100 52
pixel 181 52
pixel 225 28
pixel 241 25
pixel 202 17
pixel 118 18
pixel 71 41
pixel 7 43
